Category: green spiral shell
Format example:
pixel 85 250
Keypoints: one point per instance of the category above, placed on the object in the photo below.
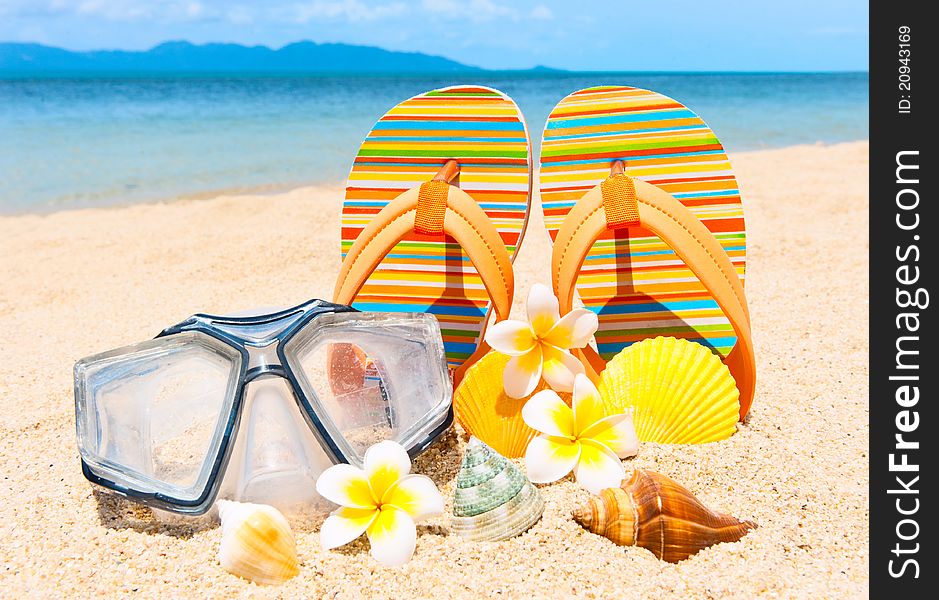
pixel 493 500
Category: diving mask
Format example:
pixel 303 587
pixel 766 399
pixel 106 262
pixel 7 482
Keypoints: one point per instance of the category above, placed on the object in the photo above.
pixel 256 407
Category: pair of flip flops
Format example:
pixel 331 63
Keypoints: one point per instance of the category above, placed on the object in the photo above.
pixel 638 197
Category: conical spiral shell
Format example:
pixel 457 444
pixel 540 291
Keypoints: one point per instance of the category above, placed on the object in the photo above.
pixel 485 411
pixel 493 500
pixel 679 391
pixel 653 512
pixel 257 543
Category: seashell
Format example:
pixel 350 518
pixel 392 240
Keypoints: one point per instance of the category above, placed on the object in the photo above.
pixel 493 500
pixel 679 391
pixel 652 511
pixel 257 543
pixel 485 411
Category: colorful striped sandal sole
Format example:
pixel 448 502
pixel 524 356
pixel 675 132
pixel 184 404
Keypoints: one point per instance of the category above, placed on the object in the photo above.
pixel 635 282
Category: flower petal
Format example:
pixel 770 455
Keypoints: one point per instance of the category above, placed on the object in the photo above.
pixel 416 495
pixel 543 311
pixel 522 373
pixel 559 368
pixel 549 458
pixel 547 413
pixel 587 404
pixel 385 463
pixel 344 525
pixel 346 485
pixel 513 338
pixel 574 330
pixel 616 433
pixel 598 468
pixel 393 537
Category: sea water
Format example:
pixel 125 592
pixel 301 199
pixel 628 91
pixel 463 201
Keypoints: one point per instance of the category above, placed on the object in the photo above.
pixel 85 140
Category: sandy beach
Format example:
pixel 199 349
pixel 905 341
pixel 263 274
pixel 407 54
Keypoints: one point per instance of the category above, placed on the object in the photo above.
pixel 80 282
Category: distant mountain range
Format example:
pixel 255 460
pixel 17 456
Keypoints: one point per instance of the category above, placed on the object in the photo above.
pixel 186 57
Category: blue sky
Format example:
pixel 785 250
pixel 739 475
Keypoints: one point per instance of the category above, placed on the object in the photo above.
pixel 736 35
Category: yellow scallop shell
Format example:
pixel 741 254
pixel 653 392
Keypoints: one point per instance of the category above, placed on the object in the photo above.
pixel 680 392
pixel 484 410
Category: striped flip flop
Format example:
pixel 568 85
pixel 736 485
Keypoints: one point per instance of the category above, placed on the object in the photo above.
pixel 411 242
pixel 647 224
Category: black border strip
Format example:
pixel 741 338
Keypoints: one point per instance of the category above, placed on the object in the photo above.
pixel 902 369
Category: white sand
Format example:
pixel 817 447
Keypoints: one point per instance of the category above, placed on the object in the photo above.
pixel 79 282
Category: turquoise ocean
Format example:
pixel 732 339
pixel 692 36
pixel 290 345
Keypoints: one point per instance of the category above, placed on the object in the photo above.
pixel 80 141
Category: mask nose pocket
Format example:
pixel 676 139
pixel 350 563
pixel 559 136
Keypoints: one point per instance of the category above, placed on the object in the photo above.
pixel 276 459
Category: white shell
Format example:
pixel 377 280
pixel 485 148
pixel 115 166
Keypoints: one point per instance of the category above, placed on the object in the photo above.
pixel 257 543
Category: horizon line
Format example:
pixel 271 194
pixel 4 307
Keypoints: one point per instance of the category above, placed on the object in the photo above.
pixel 537 70
pixel 470 67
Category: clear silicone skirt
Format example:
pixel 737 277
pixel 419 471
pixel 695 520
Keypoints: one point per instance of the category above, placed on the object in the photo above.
pixel 254 408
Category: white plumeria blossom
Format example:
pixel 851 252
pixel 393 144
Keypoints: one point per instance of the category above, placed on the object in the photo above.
pixel 382 500
pixel 541 347
pixel 579 438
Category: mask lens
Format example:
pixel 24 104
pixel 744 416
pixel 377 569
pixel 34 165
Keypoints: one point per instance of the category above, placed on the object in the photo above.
pixel 151 416
pixel 353 394
pixel 371 377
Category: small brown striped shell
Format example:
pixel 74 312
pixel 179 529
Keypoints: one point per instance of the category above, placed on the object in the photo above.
pixel 653 512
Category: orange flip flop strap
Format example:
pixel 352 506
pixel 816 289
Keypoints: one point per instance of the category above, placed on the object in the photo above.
pixel 463 220
pixel 660 213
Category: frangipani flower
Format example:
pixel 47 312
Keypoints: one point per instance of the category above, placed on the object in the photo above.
pixel 540 347
pixel 382 501
pixel 582 439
